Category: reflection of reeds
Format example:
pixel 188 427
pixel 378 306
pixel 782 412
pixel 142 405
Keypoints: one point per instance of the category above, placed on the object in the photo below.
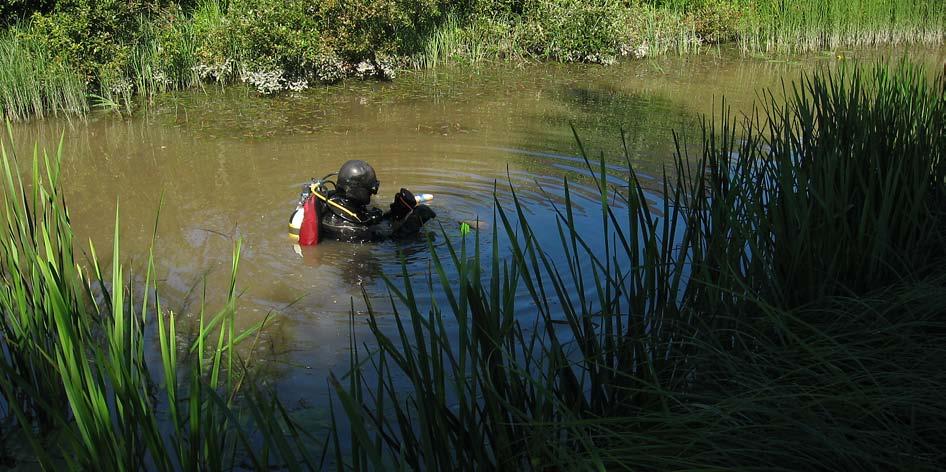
pixel 782 307
pixel 73 355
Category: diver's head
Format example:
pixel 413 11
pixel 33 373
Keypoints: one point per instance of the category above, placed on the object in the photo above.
pixel 358 181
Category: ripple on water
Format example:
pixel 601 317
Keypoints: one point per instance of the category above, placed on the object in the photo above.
pixel 230 164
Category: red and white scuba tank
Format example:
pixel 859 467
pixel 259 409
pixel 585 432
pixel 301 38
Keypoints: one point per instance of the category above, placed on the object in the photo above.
pixel 304 222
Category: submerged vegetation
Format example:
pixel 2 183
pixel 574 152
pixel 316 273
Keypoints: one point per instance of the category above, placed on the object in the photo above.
pixel 70 55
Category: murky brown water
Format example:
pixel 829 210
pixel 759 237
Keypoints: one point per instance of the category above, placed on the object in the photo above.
pixel 230 165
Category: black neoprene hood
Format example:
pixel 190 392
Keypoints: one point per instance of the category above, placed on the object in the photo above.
pixel 358 180
pixel 357 173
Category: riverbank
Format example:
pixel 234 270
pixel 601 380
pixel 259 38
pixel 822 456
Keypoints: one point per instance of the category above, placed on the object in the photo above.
pixel 71 56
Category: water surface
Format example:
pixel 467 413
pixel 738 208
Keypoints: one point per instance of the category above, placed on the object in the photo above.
pixel 230 164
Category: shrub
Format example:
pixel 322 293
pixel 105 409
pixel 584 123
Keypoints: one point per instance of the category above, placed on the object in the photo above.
pixel 574 30
pixel 94 37
pixel 12 11
pixel 277 35
pixel 369 29
pixel 716 21
pixel 217 51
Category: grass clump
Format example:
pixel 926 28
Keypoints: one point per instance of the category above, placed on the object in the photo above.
pixel 34 82
pixel 808 25
pixel 75 381
pixel 780 306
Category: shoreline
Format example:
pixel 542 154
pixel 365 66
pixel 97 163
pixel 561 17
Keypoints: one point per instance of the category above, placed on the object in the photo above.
pixel 69 60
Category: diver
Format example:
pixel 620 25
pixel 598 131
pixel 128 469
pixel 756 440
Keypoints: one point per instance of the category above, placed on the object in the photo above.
pixel 343 213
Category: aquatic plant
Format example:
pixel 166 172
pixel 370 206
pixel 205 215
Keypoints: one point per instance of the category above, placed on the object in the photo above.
pixel 809 25
pixel 774 302
pixel 34 83
pixel 78 379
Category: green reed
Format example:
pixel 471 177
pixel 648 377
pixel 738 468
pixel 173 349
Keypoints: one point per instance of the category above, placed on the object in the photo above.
pixel 34 83
pixel 469 41
pixel 74 344
pixel 780 306
pixel 808 25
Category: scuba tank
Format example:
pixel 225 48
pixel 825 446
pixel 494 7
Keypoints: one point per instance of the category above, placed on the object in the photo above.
pixel 295 222
pixel 304 221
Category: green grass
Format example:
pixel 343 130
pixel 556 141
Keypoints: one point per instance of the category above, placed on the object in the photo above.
pixel 809 25
pixel 780 307
pixel 34 83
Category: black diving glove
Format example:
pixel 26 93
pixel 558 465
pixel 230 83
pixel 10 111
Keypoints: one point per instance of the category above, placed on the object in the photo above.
pixel 404 202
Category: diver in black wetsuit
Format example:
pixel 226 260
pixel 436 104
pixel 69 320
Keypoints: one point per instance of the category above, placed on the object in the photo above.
pixel 345 214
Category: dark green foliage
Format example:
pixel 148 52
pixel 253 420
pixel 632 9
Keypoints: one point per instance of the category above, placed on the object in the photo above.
pixel 93 36
pixel 276 34
pixel 367 29
pixel 717 21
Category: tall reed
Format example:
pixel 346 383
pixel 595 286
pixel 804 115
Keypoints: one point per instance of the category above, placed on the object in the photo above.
pixel 34 83
pixel 778 307
pixel 810 25
pixel 73 358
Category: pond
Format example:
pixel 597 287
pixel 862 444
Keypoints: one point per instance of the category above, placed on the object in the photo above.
pixel 229 165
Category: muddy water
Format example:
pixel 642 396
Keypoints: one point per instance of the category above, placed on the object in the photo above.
pixel 230 164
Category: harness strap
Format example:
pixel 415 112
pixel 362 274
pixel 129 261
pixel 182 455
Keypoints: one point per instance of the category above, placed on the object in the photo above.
pixel 337 206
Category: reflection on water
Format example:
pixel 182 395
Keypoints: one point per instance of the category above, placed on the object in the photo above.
pixel 229 165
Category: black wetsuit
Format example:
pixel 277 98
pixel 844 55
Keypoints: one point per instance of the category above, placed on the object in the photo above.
pixel 347 220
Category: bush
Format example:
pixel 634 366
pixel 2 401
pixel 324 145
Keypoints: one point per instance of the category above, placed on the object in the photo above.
pixel 366 30
pixel 12 11
pixel 217 50
pixel 574 30
pixel 716 21
pixel 95 37
pixel 277 35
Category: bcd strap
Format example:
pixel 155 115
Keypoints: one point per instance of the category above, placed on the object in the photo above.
pixel 337 206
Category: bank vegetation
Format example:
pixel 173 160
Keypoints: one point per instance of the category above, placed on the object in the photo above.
pixel 69 56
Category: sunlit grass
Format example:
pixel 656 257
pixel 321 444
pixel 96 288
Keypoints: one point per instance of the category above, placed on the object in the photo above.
pixel 33 83
pixel 811 25
pixel 74 346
